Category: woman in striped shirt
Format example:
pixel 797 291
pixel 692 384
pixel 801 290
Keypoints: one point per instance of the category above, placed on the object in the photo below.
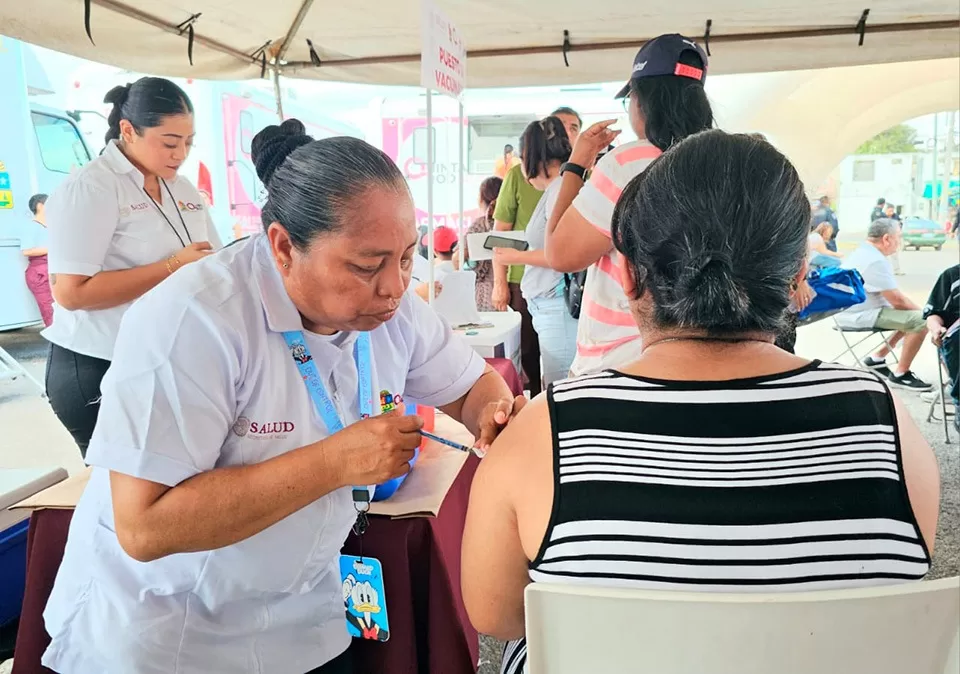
pixel 714 461
pixel 666 102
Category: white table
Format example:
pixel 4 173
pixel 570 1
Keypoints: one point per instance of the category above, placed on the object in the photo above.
pixel 500 341
pixel 17 484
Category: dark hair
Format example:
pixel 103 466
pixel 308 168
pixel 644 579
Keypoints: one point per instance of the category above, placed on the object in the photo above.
pixel 716 230
pixel 507 149
pixel 881 201
pixel 145 104
pixel 673 107
pixel 35 202
pixel 543 142
pixel 489 191
pixel 311 184
pixel 564 110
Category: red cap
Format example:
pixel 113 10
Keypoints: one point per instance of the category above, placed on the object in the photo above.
pixel 444 240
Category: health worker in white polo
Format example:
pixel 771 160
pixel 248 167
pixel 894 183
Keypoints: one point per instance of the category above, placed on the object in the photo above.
pixel 208 538
pixel 117 227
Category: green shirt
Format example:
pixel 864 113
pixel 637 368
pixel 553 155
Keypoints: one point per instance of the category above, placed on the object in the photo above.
pixel 515 204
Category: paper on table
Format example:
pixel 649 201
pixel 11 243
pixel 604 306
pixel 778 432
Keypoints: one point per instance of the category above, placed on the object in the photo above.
pixel 457 302
pixel 475 243
pixel 422 493
pixel 64 494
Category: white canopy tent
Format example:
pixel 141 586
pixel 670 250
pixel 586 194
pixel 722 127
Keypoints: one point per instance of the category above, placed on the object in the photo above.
pixel 511 42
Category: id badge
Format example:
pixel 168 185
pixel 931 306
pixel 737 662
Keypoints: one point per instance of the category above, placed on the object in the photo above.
pixel 364 599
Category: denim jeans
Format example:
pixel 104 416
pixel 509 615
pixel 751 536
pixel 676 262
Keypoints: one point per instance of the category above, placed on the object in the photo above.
pixel 950 352
pixel 825 261
pixel 557 331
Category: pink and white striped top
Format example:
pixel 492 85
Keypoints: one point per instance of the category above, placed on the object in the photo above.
pixel 607 335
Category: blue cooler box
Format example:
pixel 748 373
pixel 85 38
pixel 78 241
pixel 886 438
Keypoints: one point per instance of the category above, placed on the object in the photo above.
pixel 16 485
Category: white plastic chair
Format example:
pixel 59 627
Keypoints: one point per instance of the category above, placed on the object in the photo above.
pixel 912 628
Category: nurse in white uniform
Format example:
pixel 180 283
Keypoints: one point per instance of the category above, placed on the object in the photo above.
pixel 118 227
pixel 208 538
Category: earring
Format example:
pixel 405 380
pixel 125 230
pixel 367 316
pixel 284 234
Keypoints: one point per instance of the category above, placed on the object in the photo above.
pixel 286 266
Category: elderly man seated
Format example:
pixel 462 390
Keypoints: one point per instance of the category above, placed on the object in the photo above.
pixel 886 307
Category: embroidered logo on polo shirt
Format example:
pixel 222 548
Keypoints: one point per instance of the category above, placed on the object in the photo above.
pixel 188 206
pixel 263 430
pixel 389 401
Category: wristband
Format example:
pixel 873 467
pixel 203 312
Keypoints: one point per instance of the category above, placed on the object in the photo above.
pixel 576 169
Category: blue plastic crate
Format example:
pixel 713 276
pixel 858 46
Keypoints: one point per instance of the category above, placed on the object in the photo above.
pixel 13 570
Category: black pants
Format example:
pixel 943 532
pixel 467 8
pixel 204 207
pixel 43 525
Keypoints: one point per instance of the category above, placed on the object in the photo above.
pixel 529 342
pixel 342 664
pixel 73 387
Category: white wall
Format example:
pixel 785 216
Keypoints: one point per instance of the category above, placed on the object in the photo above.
pixel 892 179
pixel 819 117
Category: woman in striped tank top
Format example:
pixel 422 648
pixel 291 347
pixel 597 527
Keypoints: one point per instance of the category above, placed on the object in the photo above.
pixel 714 461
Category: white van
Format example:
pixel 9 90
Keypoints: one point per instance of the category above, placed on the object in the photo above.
pixel 38 148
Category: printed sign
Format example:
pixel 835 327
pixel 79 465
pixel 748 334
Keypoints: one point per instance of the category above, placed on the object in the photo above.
pixel 443 55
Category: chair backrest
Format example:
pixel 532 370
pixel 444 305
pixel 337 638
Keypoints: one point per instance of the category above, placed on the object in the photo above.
pixel 902 629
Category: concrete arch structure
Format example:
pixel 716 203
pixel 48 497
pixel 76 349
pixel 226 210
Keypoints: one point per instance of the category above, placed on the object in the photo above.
pixel 819 117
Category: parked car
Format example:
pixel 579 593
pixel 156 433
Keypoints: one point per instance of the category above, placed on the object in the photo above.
pixel 920 232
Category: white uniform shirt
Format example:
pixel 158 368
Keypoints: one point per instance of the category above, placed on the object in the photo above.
pixel 202 378
pixel 101 219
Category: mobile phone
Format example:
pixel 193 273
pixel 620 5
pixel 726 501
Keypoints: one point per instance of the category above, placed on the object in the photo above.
pixel 494 241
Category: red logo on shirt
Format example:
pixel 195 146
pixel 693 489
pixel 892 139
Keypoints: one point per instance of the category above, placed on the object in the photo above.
pixel 187 206
pixel 244 427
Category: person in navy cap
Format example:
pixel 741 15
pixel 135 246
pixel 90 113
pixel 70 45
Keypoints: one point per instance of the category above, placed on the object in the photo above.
pixel 666 102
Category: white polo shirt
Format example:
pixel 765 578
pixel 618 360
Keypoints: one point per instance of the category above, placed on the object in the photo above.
pixel 202 378
pixel 101 219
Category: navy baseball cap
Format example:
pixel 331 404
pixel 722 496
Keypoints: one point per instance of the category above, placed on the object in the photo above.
pixel 661 56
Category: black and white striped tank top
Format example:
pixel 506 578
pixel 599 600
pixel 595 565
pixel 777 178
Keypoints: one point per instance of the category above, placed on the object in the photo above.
pixel 790 482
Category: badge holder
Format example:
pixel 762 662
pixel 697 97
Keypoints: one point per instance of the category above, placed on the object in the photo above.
pixel 364 596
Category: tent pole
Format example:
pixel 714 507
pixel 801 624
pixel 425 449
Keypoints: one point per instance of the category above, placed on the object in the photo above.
pixel 430 251
pixel 278 93
pixel 460 171
pixel 294 27
pixel 829 31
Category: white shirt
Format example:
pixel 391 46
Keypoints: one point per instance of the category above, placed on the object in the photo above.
pixel 442 269
pixel 34 235
pixel 101 219
pixel 877 273
pixel 202 378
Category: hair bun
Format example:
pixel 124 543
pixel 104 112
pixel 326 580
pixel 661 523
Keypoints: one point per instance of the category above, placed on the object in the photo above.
pixel 118 95
pixel 274 144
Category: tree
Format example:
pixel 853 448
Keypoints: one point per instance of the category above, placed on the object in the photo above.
pixel 896 139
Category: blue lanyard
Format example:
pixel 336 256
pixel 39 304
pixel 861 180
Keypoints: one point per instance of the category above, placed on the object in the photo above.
pixel 300 353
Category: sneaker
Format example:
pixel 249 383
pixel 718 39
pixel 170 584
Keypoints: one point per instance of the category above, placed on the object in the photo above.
pixel 878 366
pixel 910 381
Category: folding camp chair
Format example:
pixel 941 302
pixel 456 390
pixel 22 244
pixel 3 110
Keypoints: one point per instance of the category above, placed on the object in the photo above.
pixel 940 399
pixel 874 336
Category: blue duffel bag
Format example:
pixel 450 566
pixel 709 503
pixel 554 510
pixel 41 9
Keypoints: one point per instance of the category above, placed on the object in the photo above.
pixel 836 289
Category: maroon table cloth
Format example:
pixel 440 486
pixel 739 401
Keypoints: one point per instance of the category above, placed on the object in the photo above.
pixel 429 629
pixel 509 373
